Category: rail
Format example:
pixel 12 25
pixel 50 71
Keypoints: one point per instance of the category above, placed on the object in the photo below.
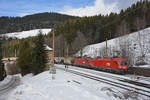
pixel 145 92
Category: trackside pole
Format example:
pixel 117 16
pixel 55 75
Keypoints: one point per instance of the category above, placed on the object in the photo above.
pixel 52 67
pixel 106 48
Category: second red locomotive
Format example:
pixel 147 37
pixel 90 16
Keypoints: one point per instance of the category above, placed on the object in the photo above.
pixel 119 65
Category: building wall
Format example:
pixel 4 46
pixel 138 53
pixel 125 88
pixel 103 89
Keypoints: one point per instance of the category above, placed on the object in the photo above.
pixel 49 53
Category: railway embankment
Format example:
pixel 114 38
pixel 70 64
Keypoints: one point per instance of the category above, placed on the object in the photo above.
pixel 142 71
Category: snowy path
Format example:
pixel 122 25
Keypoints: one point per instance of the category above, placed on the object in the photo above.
pixel 8 84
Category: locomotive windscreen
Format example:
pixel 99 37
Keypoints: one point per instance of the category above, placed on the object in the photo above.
pixel 123 62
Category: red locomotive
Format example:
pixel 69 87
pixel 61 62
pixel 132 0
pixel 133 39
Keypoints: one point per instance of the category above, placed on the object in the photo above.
pixel 119 65
pixel 82 61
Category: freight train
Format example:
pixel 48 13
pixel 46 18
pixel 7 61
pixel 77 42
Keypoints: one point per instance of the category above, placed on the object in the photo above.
pixel 114 65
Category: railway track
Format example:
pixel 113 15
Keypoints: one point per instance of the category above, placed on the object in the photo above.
pixel 135 79
pixel 15 80
pixel 114 76
pixel 145 91
pixel 97 72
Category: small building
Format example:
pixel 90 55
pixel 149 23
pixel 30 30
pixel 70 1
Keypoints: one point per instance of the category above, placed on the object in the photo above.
pixel 49 52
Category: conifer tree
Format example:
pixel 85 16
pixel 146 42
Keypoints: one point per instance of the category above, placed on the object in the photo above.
pixel 2 71
pixel 39 56
pixel 24 59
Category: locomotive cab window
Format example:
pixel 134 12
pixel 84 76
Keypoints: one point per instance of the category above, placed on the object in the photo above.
pixel 123 62
pixel 115 62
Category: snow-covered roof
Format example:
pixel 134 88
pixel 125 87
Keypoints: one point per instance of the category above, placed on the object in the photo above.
pixel 47 47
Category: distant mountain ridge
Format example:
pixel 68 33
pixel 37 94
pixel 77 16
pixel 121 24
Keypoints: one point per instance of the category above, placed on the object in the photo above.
pixel 30 22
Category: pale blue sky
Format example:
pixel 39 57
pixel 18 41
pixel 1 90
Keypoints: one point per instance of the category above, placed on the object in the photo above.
pixel 71 7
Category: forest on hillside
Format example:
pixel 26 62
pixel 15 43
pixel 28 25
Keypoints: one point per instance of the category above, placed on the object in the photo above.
pixel 29 22
pixel 74 34
pixel 96 29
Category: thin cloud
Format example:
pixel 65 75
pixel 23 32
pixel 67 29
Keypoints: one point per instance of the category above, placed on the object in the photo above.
pixel 24 14
pixel 99 7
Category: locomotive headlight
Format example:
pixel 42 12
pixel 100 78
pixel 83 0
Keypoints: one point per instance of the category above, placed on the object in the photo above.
pixel 120 67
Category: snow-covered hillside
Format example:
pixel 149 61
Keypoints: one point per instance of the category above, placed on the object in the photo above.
pixel 135 47
pixel 25 34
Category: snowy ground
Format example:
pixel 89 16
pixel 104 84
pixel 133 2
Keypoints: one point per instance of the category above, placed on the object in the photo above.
pixel 137 78
pixel 67 86
pixel 5 81
pixel 25 34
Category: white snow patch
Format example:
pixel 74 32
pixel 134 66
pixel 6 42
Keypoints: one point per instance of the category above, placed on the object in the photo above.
pixel 27 77
pixel 25 34
pixel 47 47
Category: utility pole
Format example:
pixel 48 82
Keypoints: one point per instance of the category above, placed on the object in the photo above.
pixel 67 51
pixel 15 53
pixel 53 49
pixel 106 48
pixel 52 68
